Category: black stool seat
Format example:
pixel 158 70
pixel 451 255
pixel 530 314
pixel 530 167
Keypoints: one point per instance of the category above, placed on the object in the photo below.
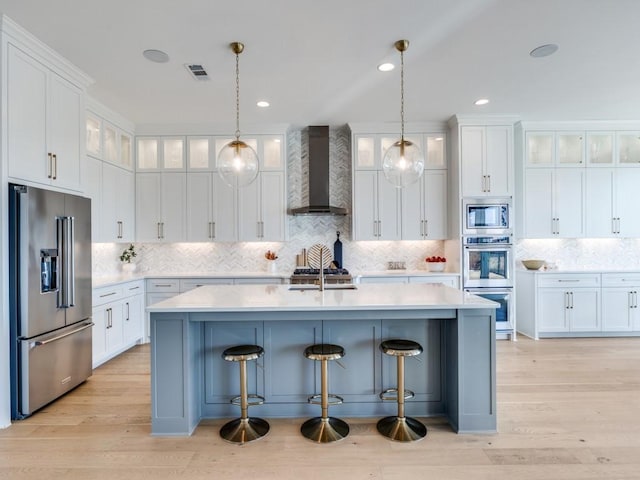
pixel 243 352
pixel 324 351
pixel 400 347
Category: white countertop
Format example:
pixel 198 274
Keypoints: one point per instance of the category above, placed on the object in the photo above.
pixel 235 298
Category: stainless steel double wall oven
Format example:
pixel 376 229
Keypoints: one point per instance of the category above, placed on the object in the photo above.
pixel 487 255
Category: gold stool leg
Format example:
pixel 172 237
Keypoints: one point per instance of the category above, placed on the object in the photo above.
pixel 324 429
pixel 401 428
pixel 244 429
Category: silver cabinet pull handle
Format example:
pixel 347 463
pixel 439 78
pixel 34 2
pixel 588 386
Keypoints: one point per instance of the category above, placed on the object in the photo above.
pixel 50 174
pixel 426 228
pixel 107 294
pixel 127 319
pixel 158 224
pixel 213 229
pixel 55 166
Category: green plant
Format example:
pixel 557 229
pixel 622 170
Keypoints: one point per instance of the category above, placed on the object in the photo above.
pixel 128 254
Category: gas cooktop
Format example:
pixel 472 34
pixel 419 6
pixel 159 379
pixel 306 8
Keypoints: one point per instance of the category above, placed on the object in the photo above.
pixel 331 275
pixel 316 271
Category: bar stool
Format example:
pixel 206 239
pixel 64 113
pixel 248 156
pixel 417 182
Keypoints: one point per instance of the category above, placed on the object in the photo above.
pixel 324 429
pixel 400 427
pixel 245 428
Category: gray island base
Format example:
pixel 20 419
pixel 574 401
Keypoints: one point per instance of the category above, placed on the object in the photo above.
pixel 455 377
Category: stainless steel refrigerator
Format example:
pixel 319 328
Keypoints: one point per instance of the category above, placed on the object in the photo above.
pixel 50 295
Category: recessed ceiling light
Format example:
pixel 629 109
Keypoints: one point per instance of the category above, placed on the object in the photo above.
pixel 544 50
pixel 157 56
pixel 481 101
pixel 263 104
pixel 386 67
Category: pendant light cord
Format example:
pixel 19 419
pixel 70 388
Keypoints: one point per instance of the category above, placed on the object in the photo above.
pixel 237 96
pixel 402 96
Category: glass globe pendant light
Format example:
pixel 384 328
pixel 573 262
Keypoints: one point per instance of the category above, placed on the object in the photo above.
pixel 237 162
pixel 403 162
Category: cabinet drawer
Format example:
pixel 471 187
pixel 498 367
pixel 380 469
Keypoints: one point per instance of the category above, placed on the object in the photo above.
pixel 620 279
pixel 163 285
pixel 448 280
pixel 133 288
pixel 569 281
pixel 190 284
pixel 103 295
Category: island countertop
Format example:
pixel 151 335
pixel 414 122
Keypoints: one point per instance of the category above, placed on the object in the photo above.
pixel 234 298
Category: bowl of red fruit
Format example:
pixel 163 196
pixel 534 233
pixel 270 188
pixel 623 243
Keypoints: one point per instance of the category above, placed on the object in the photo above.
pixel 436 264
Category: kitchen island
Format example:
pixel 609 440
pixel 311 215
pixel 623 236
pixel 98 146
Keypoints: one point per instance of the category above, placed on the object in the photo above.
pixel 455 377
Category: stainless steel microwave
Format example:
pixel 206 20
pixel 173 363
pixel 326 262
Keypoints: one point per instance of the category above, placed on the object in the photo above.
pixel 487 216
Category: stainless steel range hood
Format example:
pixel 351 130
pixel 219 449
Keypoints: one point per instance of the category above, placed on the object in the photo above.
pixel 319 176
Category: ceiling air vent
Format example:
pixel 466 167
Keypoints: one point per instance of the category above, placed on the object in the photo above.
pixel 197 71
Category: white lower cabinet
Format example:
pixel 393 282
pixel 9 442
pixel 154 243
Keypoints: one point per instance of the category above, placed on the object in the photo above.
pixel 569 310
pixel 577 304
pixel 620 302
pixel 118 313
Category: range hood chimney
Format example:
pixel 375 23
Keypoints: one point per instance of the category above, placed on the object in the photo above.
pixel 319 176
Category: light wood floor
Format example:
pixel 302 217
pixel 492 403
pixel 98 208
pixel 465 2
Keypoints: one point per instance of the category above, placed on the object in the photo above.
pixel 567 409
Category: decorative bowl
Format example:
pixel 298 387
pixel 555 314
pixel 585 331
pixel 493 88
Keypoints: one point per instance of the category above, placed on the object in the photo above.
pixel 533 264
pixel 436 266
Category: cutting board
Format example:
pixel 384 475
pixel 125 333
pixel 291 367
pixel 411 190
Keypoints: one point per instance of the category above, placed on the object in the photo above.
pixel 313 256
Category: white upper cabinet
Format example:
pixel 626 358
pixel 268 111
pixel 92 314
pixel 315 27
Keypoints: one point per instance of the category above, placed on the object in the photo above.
pixel 611 210
pixel 94 135
pixel 553 203
pixel 383 212
pixel 44 116
pixel 261 207
pixel 202 151
pixel 554 149
pixel 376 207
pixel 424 207
pixel 486 159
pixel 600 149
pixel 105 140
pixel 118 204
pixel 160 207
pixel 628 149
pixel 160 154
pixel 212 209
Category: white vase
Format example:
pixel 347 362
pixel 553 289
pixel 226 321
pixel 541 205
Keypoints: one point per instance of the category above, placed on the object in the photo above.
pixel 128 267
pixel 271 266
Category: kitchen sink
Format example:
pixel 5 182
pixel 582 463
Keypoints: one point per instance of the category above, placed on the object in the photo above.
pixel 327 286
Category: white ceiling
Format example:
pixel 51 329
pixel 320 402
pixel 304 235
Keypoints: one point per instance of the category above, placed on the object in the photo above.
pixel 315 60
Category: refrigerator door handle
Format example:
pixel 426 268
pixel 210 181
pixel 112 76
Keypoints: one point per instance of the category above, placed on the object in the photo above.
pixel 66 297
pixel 44 342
